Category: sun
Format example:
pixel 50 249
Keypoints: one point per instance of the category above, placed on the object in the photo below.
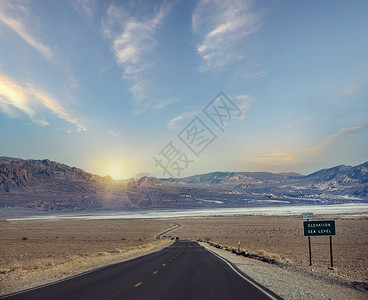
pixel 116 172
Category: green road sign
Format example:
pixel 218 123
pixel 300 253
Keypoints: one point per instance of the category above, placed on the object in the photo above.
pixel 319 228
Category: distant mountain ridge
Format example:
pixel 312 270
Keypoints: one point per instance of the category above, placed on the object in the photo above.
pixel 238 177
pixel 342 173
pixel 48 185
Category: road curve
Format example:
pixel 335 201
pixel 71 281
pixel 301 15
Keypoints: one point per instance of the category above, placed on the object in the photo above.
pixel 184 270
pixel 168 230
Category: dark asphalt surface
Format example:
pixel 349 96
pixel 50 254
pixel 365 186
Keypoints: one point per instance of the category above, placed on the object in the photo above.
pixel 184 270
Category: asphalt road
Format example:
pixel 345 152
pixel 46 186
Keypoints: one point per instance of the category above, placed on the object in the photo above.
pixel 184 270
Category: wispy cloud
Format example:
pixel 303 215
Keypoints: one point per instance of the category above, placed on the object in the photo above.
pixel 244 102
pixel 20 19
pixel 241 75
pixel 86 8
pixel 282 155
pixel 13 96
pixel 16 16
pixel 26 98
pixel 220 26
pixel 335 138
pixel 290 157
pixel 166 102
pixel 118 136
pixel 133 38
pixel 352 90
pixel 173 122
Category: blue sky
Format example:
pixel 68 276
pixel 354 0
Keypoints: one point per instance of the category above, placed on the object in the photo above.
pixel 111 86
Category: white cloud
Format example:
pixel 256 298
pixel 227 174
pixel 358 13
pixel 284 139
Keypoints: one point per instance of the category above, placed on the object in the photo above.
pixel 16 16
pixel 54 106
pixel 86 8
pixel 335 138
pixel 132 39
pixel 114 134
pixel 220 26
pixel 173 122
pixel 16 97
pixel 244 101
pixel 241 75
pixel 352 90
pixel 166 102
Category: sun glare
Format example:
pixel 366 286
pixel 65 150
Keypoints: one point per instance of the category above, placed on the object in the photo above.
pixel 116 172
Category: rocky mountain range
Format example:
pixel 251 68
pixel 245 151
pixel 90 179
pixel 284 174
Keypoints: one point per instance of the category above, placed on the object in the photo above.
pixel 48 185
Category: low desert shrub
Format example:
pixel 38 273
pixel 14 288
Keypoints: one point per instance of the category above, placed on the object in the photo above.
pixel 4 271
pixel 275 256
pixel 37 266
pixel 265 254
pixel 15 267
pixel 288 261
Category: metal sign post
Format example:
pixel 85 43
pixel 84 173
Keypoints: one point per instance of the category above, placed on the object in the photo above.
pixel 331 258
pixel 308 216
pixel 310 251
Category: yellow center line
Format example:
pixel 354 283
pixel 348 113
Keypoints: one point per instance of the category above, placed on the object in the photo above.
pixel 138 284
pixel 155 272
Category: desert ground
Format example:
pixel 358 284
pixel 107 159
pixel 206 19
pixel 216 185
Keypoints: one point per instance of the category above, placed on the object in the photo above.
pixel 39 252
pixel 52 250
pixel 283 236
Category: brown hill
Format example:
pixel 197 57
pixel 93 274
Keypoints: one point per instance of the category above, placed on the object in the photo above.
pixel 50 185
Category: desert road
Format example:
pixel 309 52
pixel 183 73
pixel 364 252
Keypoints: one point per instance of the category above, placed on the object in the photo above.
pixel 171 229
pixel 185 270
